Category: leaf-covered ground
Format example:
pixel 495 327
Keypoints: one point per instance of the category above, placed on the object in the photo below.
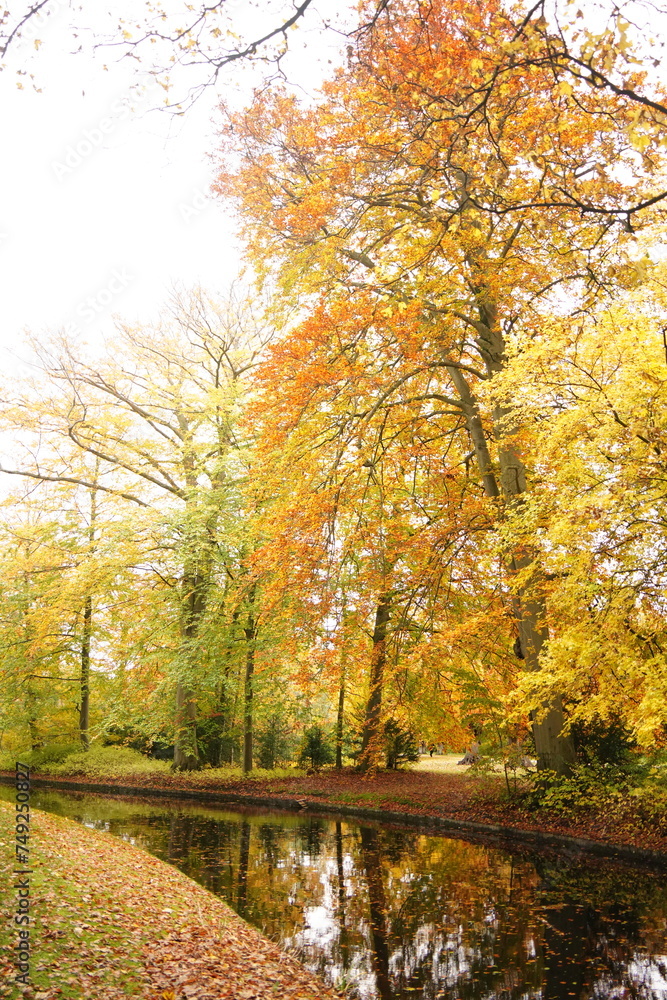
pixel 458 795
pixel 112 922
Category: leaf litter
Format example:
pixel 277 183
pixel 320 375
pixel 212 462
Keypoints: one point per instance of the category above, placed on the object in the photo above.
pixel 111 922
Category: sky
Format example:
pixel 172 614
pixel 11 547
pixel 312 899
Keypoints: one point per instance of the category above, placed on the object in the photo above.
pixel 105 198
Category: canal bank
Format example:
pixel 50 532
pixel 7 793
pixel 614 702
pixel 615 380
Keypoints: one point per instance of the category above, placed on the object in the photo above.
pixel 107 919
pixel 395 913
pixel 308 794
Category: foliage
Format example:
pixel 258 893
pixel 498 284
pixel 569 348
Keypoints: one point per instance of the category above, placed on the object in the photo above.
pixel 45 757
pixel 274 743
pixel 609 743
pixel 592 787
pixel 316 750
pixel 400 743
pixel 433 240
pixel 431 486
pixel 102 761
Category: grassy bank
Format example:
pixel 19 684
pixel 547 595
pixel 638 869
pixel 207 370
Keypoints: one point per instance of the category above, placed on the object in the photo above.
pixel 596 804
pixel 109 920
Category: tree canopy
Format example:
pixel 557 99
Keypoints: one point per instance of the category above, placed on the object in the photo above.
pixel 416 487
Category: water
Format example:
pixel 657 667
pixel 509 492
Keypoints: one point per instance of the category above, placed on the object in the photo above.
pixel 394 914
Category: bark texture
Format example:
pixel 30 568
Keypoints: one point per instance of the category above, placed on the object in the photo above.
pixel 371 736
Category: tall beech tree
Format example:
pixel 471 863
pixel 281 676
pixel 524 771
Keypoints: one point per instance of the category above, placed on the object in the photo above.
pixel 157 415
pixel 595 414
pixel 370 507
pixel 411 191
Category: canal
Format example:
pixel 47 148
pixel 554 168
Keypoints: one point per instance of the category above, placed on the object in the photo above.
pixel 395 913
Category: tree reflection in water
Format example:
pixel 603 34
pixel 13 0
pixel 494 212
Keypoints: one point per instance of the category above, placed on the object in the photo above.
pixel 397 914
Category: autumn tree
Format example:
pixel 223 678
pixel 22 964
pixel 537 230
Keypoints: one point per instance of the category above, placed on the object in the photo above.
pixel 370 509
pixel 595 414
pixel 415 195
pixel 157 417
pixel 59 572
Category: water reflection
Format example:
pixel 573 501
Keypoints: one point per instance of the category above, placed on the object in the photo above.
pixel 396 914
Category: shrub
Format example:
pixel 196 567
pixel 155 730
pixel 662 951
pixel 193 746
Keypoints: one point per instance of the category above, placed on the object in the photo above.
pixel 53 753
pixel 102 761
pixel 273 743
pixel 400 745
pixel 590 788
pixel 316 750
pixel 606 743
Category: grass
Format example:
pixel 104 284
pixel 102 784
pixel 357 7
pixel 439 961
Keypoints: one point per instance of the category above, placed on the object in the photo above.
pixel 61 919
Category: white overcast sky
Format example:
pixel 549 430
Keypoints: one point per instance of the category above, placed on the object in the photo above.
pixel 104 200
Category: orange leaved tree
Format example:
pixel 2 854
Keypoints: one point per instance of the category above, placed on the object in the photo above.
pixel 457 214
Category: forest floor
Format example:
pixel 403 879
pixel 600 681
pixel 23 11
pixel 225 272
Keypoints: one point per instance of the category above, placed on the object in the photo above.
pixel 436 788
pixel 111 921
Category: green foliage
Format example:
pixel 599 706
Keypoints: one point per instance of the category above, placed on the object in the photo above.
pixel 213 741
pixel 101 761
pixel 273 742
pixel 316 750
pixel 590 788
pixel 128 736
pixel 400 744
pixel 45 757
pixel 603 742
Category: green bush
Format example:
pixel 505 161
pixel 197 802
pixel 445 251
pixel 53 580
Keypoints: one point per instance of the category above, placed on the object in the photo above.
pixel 590 788
pixel 607 744
pixel 316 750
pixel 101 761
pixel 400 745
pixel 648 808
pixel 45 757
pixel 273 743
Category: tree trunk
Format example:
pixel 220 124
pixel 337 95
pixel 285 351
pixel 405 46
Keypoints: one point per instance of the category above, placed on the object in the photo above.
pixel 224 702
pixel 84 709
pixel 554 751
pixel 372 735
pixel 250 635
pixel 186 757
pixel 195 592
pixel 87 629
pixel 340 714
pixel 36 741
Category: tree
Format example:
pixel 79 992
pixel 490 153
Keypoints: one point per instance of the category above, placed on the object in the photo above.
pixel 316 750
pixel 157 417
pixel 60 568
pixel 404 199
pixel 596 416
pixel 194 42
